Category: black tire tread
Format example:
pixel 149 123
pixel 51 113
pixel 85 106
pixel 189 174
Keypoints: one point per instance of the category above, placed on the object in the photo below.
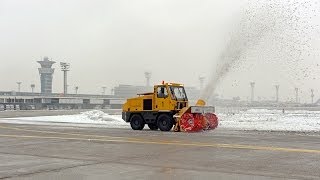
pixel 141 124
pixel 165 117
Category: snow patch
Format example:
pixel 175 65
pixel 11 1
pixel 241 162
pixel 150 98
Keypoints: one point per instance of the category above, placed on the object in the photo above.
pixel 97 115
pixel 93 118
pixel 272 120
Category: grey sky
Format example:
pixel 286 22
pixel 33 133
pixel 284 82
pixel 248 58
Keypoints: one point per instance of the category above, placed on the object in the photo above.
pixel 114 42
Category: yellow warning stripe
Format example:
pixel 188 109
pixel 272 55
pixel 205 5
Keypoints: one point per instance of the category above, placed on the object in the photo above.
pixel 192 144
pixel 62 133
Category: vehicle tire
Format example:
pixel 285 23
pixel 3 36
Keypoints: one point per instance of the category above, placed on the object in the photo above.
pixel 137 122
pixel 153 126
pixel 165 122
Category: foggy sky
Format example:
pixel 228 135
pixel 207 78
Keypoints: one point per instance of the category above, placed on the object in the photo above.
pixel 111 42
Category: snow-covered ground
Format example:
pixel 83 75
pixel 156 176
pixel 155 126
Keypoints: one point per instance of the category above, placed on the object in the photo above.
pixel 93 118
pixel 254 119
pixel 272 120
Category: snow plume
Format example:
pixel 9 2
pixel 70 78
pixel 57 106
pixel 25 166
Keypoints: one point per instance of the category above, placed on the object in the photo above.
pixel 282 23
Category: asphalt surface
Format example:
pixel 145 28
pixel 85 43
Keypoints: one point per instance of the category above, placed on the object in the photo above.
pixel 55 152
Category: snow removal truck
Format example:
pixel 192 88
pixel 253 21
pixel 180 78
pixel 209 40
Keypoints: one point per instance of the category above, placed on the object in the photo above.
pixel 168 106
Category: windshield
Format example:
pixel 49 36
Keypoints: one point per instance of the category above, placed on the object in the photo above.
pixel 178 93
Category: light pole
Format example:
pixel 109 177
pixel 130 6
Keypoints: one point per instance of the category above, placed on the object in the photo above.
pixel 252 84
pixel 76 89
pixel 201 79
pixel 148 77
pixel 32 87
pixel 277 93
pixel 104 90
pixel 65 67
pixel 19 86
pixel 297 94
pixel 312 96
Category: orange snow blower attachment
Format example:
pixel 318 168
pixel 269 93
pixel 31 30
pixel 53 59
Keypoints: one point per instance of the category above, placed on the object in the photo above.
pixel 196 118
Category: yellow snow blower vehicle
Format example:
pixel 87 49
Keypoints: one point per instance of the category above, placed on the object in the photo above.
pixel 168 106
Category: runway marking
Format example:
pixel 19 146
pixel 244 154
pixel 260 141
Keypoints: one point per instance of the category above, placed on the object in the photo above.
pixel 192 144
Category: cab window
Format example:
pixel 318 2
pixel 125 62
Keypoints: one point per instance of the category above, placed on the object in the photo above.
pixel 162 92
pixel 178 93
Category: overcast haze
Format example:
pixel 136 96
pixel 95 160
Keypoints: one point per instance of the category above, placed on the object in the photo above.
pixel 113 42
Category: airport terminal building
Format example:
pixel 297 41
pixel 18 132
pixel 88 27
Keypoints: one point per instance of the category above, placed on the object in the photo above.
pixel 31 101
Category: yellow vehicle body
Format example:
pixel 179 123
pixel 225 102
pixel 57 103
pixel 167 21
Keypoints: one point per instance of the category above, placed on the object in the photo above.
pixel 167 103
pixel 162 102
pixel 163 108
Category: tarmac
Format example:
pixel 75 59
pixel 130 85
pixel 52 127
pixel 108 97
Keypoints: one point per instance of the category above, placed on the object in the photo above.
pixel 65 152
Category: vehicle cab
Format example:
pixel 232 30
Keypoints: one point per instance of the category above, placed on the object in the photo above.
pixel 170 97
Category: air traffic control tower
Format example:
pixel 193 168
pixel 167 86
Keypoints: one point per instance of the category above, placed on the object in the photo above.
pixel 46 71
